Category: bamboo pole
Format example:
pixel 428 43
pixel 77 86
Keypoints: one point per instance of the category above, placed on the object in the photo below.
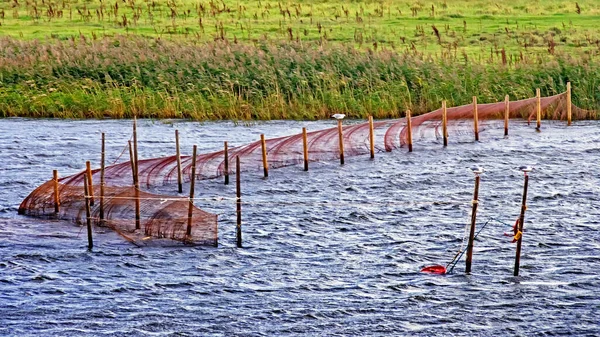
pixel 56 194
pixel 263 145
pixel 238 203
pixel 136 186
pixel 538 95
pixel 568 103
pixel 178 154
pixel 305 147
pixel 520 226
pixel 445 123
pixel 188 232
pixel 475 118
pixel 88 173
pixel 409 129
pixel 506 114
pixel 371 137
pixel 102 178
pixel 341 141
pixel 88 213
pixel 226 162
pixel 473 222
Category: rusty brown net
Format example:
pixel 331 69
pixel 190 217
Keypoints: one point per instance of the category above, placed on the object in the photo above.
pixel 161 217
pixel 166 216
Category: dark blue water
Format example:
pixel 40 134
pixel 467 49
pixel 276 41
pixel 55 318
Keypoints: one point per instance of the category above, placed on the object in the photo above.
pixel 335 251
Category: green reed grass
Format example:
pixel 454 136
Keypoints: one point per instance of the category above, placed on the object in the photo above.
pixel 123 76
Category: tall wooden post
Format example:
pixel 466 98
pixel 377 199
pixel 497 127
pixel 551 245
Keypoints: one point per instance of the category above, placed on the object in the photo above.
pixel 445 123
pixel 473 221
pixel 409 131
pixel 88 213
pixel 137 175
pixel 506 114
pixel 102 178
pixel 263 145
pixel 188 231
pixel 569 103
pixel 520 226
pixel 341 141
pixel 226 162
pixel 538 95
pixel 88 173
pixel 56 194
pixel 371 137
pixel 475 119
pixel 305 148
pixel 238 203
pixel 136 186
pixel 178 154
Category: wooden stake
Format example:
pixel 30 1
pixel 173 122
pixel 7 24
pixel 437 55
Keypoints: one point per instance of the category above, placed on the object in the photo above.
pixel 263 145
pixel 520 226
pixel 137 175
pixel 305 147
pixel 56 194
pixel 102 182
pixel 226 163
pixel 136 186
pixel 538 109
pixel 88 173
pixel 88 212
pixel 568 103
pixel 341 141
pixel 475 118
pixel 238 203
pixel 188 232
pixel 409 129
pixel 506 114
pixel 445 123
pixel 473 221
pixel 178 154
pixel 372 137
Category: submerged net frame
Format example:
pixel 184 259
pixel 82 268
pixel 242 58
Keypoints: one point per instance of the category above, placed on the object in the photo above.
pixel 166 216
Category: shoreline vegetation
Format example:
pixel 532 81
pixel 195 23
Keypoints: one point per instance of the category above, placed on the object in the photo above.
pixel 307 60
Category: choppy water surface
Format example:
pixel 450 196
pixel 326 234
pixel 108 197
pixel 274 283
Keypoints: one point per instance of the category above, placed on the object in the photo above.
pixel 335 251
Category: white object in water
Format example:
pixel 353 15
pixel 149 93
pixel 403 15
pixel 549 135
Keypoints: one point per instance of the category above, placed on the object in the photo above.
pixel 477 169
pixel 338 116
pixel 526 168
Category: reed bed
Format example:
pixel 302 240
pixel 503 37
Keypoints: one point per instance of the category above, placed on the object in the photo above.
pixel 123 76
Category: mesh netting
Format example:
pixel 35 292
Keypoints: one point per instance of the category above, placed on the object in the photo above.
pixel 166 217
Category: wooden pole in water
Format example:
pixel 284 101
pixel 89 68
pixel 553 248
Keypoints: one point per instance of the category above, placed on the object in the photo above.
pixel 56 194
pixel 409 129
pixel 568 103
pixel 520 226
pixel 341 141
pixel 263 145
pixel 305 147
pixel 475 119
pixel 188 232
pixel 135 186
pixel 226 162
pixel 372 137
pixel 178 154
pixel 88 212
pixel 88 173
pixel 102 168
pixel 506 114
pixel 445 123
pixel 538 95
pixel 238 203
pixel 473 221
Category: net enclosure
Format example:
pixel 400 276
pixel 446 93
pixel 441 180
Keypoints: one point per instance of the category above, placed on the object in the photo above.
pixel 165 216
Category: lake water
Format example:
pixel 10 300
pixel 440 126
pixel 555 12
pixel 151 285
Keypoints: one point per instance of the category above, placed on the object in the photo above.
pixel 333 251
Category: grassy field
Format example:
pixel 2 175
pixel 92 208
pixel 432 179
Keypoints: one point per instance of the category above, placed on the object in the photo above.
pixel 302 59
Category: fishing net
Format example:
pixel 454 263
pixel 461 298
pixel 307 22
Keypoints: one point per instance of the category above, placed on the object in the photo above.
pixel 166 216
pixel 160 216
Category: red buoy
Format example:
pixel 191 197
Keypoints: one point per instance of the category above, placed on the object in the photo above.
pixel 437 269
